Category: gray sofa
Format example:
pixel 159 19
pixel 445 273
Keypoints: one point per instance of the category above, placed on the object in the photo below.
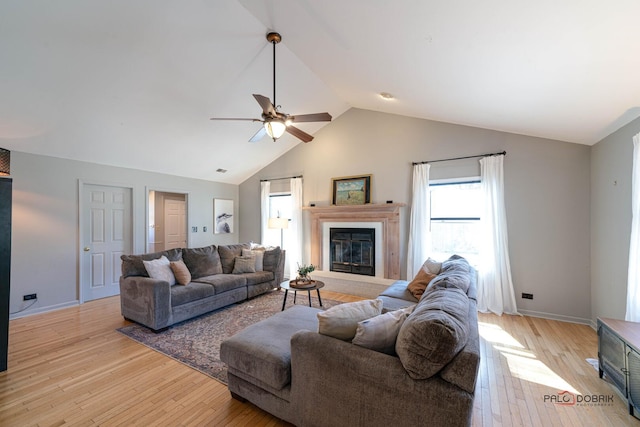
pixel 157 304
pixel 284 366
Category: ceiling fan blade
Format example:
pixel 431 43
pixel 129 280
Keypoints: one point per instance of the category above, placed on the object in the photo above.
pixel 317 117
pixel 259 135
pixel 267 107
pixel 235 118
pixel 301 135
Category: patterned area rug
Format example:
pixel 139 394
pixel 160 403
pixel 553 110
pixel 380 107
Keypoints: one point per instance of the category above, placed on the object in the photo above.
pixel 196 342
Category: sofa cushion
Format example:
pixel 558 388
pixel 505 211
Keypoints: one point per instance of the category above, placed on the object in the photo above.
pixel 263 350
pixel 244 264
pixel 258 277
pixel 132 265
pixel 341 321
pixel 379 333
pixel 181 272
pixel 202 262
pixel 194 292
pixel 456 273
pixel 434 333
pixel 223 282
pixel 271 258
pixel 228 254
pixel 160 269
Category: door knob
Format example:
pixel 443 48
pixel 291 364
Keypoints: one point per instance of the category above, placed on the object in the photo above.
pixel 87 249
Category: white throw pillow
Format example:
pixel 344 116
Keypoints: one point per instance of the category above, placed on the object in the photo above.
pixel 259 257
pixel 432 266
pixel 341 321
pixel 160 269
pixel 380 333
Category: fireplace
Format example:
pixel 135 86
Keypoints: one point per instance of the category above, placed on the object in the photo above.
pixel 353 250
pixel 385 218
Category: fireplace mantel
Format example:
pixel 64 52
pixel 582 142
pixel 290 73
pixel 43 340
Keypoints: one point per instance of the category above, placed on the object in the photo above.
pixel 388 214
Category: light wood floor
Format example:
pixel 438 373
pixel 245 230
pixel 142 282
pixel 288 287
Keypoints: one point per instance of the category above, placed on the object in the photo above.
pixel 71 367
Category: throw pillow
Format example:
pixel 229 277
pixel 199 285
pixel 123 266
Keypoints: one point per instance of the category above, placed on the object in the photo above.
pixel 244 264
pixel 181 272
pixel 432 266
pixel 259 257
pixel 132 265
pixel 341 321
pixel 228 254
pixel 419 283
pixel 160 269
pixel 380 333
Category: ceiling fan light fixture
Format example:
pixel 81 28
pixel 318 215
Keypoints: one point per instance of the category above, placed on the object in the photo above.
pixel 275 128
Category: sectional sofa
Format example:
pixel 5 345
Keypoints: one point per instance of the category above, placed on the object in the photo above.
pixel 163 288
pixel 415 364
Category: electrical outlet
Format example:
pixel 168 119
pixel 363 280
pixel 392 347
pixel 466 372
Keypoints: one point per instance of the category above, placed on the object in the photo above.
pixel 527 296
pixel 29 297
pixel 194 229
pixel 204 229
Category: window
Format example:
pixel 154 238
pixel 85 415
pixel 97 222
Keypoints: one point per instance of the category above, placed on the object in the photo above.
pixel 279 206
pixel 455 219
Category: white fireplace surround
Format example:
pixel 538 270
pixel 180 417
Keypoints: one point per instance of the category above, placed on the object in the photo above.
pixel 385 218
pixel 326 243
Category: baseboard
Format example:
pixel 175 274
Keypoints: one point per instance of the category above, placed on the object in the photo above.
pixel 559 317
pixel 41 310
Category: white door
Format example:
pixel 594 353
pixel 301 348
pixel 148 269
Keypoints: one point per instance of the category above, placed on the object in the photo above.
pixel 175 223
pixel 106 221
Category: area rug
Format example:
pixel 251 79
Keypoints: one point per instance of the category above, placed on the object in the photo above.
pixel 196 342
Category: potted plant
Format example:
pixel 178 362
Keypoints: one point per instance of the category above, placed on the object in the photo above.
pixel 303 273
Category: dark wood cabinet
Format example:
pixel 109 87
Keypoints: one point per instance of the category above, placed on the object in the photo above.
pixel 619 358
pixel 5 267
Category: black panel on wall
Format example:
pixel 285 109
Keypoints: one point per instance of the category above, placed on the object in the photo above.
pixel 5 267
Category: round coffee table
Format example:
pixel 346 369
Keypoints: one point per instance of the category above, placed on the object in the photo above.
pixel 316 286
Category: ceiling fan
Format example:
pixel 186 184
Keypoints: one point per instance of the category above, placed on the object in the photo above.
pixel 275 122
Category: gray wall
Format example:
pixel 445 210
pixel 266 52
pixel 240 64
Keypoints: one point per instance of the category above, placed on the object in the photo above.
pixel 611 168
pixel 45 241
pixel 547 185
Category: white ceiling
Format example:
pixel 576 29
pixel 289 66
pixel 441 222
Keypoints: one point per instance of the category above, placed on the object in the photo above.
pixel 133 83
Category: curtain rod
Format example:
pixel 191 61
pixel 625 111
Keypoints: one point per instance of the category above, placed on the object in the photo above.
pixel 278 179
pixel 503 153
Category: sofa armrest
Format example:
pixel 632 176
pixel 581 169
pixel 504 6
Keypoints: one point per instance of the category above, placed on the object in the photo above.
pixel 146 301
pixel 274 260
pixel 334 382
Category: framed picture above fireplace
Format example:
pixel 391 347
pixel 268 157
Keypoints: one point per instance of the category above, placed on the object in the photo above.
pixel 351 190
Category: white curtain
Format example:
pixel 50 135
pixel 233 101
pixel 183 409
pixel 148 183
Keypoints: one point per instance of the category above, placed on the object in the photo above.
pixel 420 222
pixel 294 242
pixel 265 191
pixel 495 287
pixel 633 279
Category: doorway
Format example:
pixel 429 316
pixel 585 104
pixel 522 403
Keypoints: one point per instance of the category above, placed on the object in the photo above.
pixel 168 225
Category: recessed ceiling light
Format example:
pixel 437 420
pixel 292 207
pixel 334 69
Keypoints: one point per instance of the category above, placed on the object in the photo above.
pixel 386 95
pixel 220 170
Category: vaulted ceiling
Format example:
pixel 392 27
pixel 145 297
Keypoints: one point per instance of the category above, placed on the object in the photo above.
pixel 134 83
